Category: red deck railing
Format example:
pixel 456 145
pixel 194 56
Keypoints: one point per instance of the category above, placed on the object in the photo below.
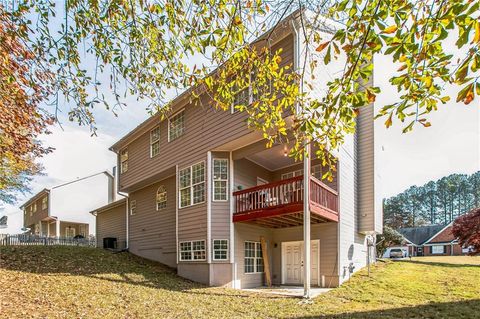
pixel 287 192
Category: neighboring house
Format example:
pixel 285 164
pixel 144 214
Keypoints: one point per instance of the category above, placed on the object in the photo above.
pixel 111 223
pixel 431 240
pixel 63 210
pixel 203 190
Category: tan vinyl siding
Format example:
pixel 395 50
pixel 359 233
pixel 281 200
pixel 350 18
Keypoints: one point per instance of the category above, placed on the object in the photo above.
pixel 205 129
pixel 326 233
pixel 220 210
pixel 365 170
pixel 247 232
pixel 246 173
pixel 112 223
pixel 36 215
pixel 152 232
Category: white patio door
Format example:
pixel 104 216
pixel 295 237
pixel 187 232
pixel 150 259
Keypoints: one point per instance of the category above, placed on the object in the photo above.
pixel 292 262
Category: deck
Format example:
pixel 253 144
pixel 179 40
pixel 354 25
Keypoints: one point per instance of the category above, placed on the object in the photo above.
pixel 280 204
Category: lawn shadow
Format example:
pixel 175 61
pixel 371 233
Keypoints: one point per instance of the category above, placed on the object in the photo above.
pixel 100 264
pixel 467 309
pixel 438 263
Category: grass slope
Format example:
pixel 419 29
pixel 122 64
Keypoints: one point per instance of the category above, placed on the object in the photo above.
pixel 75 282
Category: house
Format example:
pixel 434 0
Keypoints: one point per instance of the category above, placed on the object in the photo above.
pixel 111 223
pixel 207 197
pixel 63 210
pixel 431 240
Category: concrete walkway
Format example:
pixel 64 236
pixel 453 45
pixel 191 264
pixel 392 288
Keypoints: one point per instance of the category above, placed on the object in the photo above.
pixel 289 291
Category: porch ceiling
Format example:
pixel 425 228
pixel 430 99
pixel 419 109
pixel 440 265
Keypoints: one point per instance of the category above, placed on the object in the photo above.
pixel 273 158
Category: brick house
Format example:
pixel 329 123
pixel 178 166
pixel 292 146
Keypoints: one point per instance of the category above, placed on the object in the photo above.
pixel 432 240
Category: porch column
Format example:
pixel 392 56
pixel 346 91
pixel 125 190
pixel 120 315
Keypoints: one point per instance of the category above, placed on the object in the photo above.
pixel 306 221
pixel 57 228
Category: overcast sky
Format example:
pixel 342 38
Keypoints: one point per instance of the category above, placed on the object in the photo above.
pixel 450 145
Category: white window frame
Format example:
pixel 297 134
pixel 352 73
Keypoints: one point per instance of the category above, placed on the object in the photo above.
pixel 438 246
pixel 133 207
pixel 220 249
pixel 192 250
pixel 124 160
pixel 154 142
pixel 191 185
pixel 35 207
pixel 214 179
pixel 161 189
pixel 182 111
pixel 298 172
pixel 255 258
pixel 44 202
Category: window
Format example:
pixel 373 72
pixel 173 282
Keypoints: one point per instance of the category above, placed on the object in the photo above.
pixel 161 197
pixel 69 232
pixel 261 88
pixel 317 172
pixel 438 249
pixel 176 126
pixel 192 185
pixel 45 202
pixel 123 161
pixel 155 141
pixel 220 179
pixel 192 250
pixel 241 98
pixel 34 207
pixel 133 207
pixel 253 257
pixel 30 208
pixel 220 249
pixel 292 174
pixel 82 230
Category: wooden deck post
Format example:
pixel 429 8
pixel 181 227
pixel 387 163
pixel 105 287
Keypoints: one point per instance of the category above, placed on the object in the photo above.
pixel 266 263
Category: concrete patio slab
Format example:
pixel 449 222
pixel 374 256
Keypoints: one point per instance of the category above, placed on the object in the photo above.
pixel 289 291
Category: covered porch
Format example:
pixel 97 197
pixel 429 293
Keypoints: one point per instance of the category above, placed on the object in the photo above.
pixel 269 189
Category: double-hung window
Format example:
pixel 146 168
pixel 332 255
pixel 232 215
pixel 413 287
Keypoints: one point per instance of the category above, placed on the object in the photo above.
pixel 220 249
pixel 192 250
pixel 220 179
pixel 44 203
pixel 123 161
pixel 34 207
pixel 253 257
pixel 161 197
pixel 155 141
pixel 292 174
pixel 192 185
pixel 176 126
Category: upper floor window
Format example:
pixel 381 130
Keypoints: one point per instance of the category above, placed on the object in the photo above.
pixel 34 207
pixel 44 202
pixel 133 207
pixel 155 141
pixel 123 161
pixel 317 171
pixel 241 98
pixel 192 185
pixel 220 179
pixel 292 174
pixel 176 126
pixel 161 197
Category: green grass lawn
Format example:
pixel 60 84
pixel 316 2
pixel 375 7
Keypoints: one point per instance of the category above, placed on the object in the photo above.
pixel 74 282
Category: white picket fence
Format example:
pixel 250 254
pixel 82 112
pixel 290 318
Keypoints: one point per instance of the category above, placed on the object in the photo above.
pixel 34 240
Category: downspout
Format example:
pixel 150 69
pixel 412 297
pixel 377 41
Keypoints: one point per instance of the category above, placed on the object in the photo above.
pixel 306 176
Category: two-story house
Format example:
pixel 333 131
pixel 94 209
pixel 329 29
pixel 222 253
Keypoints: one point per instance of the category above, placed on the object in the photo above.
pixel 204 192
pixel 63 210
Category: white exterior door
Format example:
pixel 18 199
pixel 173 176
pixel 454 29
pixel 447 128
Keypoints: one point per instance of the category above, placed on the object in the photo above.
pixel 292 262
